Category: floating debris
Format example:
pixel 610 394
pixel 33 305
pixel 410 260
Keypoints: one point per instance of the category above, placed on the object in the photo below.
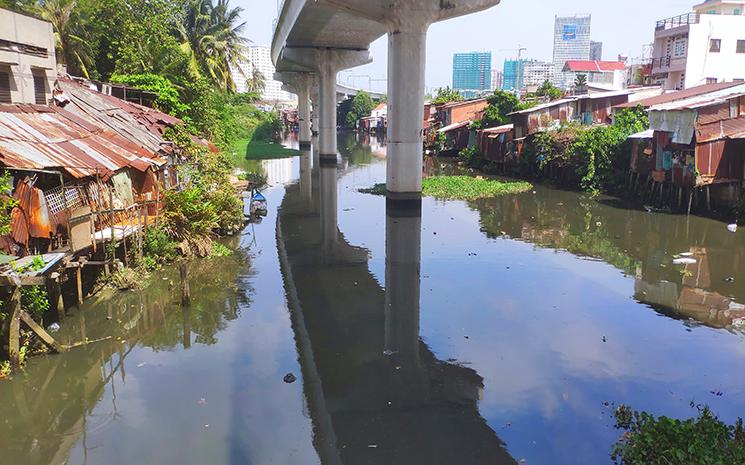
pixel 684 261
pixel 289 378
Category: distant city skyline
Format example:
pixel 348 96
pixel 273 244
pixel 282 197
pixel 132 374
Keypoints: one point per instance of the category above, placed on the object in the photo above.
pixel 498 31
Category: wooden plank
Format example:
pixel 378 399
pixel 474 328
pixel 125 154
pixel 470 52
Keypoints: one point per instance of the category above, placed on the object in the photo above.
pixel 48 340
pixel 14 337
pixel 79 282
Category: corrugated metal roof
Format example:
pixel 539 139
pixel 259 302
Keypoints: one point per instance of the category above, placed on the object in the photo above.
pixel 594 66
pixel 683 94
pixel 454 126
pixel 699 101
pixel 41 137
pixel 499 129
pixel 725 129
pixel 131 121
pixel 648 134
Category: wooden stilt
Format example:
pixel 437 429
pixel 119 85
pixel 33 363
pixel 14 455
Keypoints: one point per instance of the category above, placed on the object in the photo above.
pixel 55 294
pixel 79 282
pixel 185 291
pixel 48 340
pixel 708 198
pixel 187 326
pixel 14 332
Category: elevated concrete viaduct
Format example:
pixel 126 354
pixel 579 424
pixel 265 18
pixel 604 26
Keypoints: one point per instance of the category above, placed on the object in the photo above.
pixel 326 36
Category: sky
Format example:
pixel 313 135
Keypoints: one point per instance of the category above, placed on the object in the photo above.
pixel 623 27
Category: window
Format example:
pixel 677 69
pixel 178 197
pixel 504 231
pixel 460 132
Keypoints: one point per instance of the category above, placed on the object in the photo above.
pixel 737 12
pixel 679 47
pixel 40 87
pixel 741 46
pixel 4 87
pixel 715 46
pixel 711 80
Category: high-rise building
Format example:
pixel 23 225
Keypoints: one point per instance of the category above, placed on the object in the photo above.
pixel 472 73
pixel 514 72
pixel 259 56
pixel 537 72
pixel 497 79
pixel 571 42
pixel 596 51
pixel 702 47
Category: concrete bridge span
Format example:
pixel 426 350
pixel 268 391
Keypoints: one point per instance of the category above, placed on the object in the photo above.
pixel 322 37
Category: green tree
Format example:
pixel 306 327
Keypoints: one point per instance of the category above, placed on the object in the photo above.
pixel 446 94
pixel 212 39
pixel 256 83
pixel 549 90
pixel 358 107
pixel 72 45
pixel 580 83
pixel 500 105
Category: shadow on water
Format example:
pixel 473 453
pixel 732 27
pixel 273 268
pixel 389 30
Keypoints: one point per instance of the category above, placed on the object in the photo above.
pixel 376 392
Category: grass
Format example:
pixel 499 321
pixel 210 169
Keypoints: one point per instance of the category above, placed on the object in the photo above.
pixel 262 150
pixel 462 187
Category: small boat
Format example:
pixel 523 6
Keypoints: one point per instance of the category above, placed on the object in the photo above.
pixel 258 205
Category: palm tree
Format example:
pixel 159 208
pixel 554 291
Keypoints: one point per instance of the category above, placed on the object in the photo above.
pixel 211 37
pixel 580 82
pixel 257 82
pixel 72 49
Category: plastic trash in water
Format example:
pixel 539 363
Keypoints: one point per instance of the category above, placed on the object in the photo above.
pixel 684 261
pixel 54 327
pixel 686 254
pixel 732 228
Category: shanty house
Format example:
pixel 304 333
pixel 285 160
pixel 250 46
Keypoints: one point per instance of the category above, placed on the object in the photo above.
pixel 65 168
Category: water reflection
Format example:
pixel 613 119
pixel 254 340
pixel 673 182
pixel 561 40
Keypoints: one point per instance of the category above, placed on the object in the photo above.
pixel 642 245
pixel 376 392
pixel 49 410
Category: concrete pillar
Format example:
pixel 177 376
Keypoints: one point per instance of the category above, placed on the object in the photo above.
pixel 327 74
pixel 406 72
pixel 403 235
pixel 326 62
pixel 303 110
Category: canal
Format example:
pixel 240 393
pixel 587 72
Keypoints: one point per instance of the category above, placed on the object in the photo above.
pixel 500 331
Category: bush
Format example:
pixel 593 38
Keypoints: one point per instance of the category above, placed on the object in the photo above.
pixel 187 215
pixel 158 245
pixel 704 440
pixel 471 157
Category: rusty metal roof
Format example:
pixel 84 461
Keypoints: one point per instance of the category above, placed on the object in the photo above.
pixel 41 137
pixel 725 129
pixel 681 94
pixel 131 121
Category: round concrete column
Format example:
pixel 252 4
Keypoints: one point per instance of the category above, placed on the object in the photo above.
pixel 406 68
pixel 327 77
pixel 303 109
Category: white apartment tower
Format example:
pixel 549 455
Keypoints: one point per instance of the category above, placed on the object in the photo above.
pixel 704 46
pixel 535 73
pixel 260 57
pixel 571 42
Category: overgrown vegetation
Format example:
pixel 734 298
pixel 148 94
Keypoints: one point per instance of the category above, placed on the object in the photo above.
pixel 446 95
pixel 350 111
pixel 704 440
pixel 461 187
pixel 500 105
pixel 597 155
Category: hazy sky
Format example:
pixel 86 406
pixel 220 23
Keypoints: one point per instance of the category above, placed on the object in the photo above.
pixel 623 27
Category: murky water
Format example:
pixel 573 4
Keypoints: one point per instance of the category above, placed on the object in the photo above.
pixel 486 332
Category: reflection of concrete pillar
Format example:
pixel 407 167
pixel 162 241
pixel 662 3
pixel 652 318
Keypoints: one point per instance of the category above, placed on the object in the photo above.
pixel 306 175
pixel 403 235
pixel 329 216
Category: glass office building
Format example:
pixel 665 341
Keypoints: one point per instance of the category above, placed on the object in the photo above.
pixel 472 73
